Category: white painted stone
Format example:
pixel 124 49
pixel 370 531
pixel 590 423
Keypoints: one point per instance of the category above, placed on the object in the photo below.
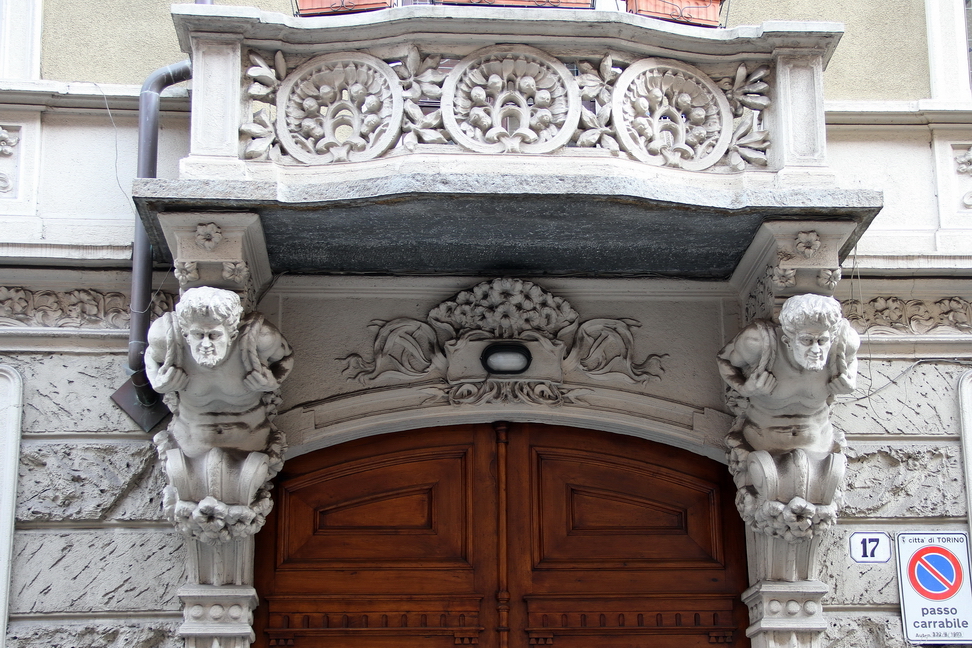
pixel 11 406
pixel 869 629
pixel 912 480
pixel 101 633
pixel 64 392
pixel 101 570
pixel 87 481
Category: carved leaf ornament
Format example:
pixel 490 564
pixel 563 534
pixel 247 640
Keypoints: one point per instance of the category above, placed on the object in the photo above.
pixel 352 106
pixel 503 100
pixel 503 309
pixel 671 114
pixel 339 108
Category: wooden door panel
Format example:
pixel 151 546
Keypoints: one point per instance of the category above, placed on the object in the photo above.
pixel 403 509
pixel 600 511
pixel 395 542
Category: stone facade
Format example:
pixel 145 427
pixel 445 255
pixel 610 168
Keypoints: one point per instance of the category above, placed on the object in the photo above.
pixel 95 562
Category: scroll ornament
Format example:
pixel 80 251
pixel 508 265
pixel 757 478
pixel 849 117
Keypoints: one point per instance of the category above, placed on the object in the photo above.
pixel 221 372
pixel 503 310
pixel 785 455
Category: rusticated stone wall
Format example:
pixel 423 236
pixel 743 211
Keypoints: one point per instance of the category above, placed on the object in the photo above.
pixel 95 565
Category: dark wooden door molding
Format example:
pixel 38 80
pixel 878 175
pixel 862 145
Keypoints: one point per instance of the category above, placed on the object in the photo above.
pixel 503 536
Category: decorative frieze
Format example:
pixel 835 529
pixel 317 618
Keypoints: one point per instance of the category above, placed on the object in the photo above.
pixel 352 106
pixel 71 309
pixel 890 315
pixel 449 346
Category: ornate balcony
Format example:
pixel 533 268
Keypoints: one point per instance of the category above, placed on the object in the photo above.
pixel 483 140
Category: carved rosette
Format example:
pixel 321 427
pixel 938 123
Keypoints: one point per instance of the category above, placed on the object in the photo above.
pixel 511 100
pixel 343 107
pixel 668 113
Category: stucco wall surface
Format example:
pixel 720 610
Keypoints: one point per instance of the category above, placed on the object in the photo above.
pixel 882 55
pixel 114 41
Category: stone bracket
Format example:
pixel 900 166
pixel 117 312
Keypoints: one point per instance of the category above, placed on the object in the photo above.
pixel 222 250
pixel 807 256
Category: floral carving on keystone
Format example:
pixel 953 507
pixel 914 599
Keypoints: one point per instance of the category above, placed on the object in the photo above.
pixel 829 278
pixel 891 315
pixel 668 113
pixel 747 98
pixel 449 344
pixel 186 271
pixel 783 277
pixel 7 142
pixel 343 107
pixel 208 236
pixel 71 309
pixel 421 80
pixel 511 100
pixel 807 243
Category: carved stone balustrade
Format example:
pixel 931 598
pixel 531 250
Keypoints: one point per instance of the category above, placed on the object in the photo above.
pixel 423 128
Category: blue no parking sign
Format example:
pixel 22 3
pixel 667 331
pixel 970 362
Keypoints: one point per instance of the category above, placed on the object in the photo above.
pixel 933 576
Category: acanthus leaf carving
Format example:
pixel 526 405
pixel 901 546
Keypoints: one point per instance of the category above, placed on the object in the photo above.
pixel 747 98
pixel 341 107
pixel 668 113
pixel 511 100
pixel 71 309
pixel 421 79
pixel 447 346
pixel 7 142
pixel 597 85
pixel 890 315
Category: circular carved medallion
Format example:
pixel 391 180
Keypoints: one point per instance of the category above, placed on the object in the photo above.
pixel 668 113
pixel 510 100
pixel 343 107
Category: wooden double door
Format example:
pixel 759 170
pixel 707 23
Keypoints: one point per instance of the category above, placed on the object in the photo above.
pixel 502 536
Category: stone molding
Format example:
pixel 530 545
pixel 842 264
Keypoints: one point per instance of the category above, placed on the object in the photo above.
pixel 82 308
pixel 896 316
pixel 11 406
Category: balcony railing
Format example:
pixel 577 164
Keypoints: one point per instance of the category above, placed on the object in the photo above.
pixel 697 12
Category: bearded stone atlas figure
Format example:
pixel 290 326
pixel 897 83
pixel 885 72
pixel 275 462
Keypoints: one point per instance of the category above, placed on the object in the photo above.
pixel 221 447
pixel 785 455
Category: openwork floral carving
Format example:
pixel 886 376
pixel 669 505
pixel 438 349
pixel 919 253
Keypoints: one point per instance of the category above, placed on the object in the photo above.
pixel 71 309
pixel 447 346
pixel 892 315
pixel 339 108
pixel 747 98
pixel 421 79
pixel 671 114
pixel 352 107
pixel 597 85
pixel 506 100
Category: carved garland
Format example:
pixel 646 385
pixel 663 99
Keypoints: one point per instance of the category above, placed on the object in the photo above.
pixel 71 309
pixel 351 106
pixel 454 332
pixel 896 316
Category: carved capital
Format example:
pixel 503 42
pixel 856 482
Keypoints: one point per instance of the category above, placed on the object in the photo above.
pixel 786 614
pixel 220 250
pixel 807 255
